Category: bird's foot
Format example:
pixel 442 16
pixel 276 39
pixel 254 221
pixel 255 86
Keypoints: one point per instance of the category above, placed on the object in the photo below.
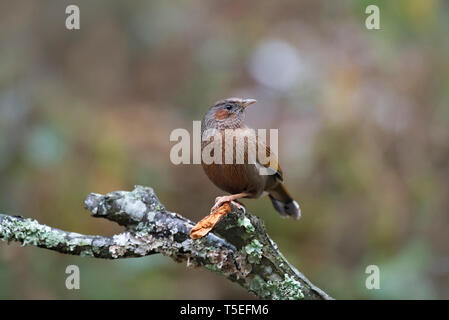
pixel 239 205
pixel 220 200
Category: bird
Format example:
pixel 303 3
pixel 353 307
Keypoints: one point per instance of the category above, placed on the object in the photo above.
pixel 242 180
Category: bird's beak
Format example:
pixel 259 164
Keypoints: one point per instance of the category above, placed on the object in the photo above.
pixel 247 102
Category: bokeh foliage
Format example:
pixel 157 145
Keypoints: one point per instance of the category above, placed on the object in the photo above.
pixel 363 118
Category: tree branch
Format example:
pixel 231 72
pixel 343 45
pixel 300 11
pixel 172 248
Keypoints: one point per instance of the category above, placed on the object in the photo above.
pixel 238 248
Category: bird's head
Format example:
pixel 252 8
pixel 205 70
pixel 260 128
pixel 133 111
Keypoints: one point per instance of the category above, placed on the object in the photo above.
pixel 227 114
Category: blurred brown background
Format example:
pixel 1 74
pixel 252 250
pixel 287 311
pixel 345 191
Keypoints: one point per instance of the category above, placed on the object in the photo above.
pixel 363 124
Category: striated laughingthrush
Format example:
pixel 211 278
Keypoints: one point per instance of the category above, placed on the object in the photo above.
pixel 243 180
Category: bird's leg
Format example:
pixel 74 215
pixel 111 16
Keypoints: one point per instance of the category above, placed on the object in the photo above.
pixel 231 198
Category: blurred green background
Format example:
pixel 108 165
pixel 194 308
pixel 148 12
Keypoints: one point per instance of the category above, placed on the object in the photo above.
pixel 363 124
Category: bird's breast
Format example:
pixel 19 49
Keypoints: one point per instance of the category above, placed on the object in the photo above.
pixel 227 170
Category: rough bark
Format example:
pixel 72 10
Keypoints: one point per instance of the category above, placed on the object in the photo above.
pixel 238 248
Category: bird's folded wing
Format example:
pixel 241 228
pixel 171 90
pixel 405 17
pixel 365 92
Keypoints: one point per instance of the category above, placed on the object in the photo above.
pixel 270 162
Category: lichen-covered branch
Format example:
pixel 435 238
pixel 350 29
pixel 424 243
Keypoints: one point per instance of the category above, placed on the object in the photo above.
pixel 238 248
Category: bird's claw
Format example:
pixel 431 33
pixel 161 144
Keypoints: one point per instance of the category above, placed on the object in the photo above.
pixel 240 206
pixel 220 200
pixel 217 205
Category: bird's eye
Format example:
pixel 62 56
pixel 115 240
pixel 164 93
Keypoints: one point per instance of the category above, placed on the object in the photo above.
pixel 228 107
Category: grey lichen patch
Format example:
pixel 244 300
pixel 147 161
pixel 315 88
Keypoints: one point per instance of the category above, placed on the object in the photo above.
pixel 147 195
pixel 87 253
pixel 74 243
pixel 246 223
pixel 145 227
pixel 141 243
pixel 121 245
pixel 80 242
pixel 286 289
pixel 151 215
pixel 254 251
pixel 135 208
pixel 29 231
pixel 92 202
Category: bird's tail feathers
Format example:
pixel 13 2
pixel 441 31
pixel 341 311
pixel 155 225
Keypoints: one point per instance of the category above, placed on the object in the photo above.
pixel 284 203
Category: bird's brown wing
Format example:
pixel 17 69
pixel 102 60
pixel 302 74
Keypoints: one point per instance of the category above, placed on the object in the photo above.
pixel 272 163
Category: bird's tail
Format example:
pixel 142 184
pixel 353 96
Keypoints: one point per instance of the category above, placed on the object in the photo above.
pixel 284 203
